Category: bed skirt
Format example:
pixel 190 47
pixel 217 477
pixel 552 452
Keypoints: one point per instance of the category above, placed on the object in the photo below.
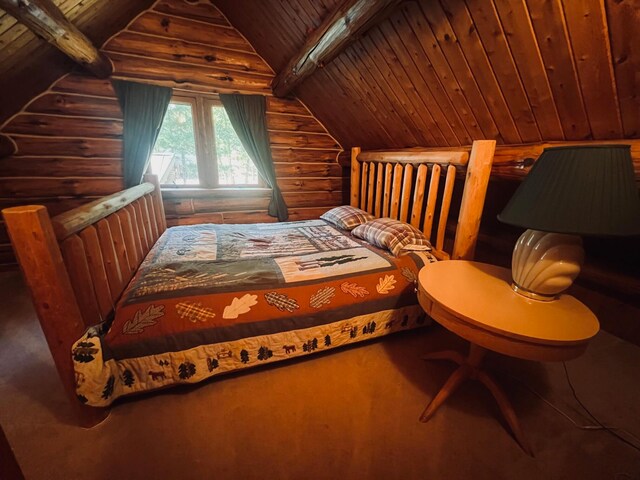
pixel 100 382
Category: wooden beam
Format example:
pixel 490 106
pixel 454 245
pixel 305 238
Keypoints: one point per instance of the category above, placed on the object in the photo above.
pixel 349 20
pixel 46 20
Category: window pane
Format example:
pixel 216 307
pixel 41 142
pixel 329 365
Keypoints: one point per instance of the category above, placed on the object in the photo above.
pixel 174 155
pixel 234 165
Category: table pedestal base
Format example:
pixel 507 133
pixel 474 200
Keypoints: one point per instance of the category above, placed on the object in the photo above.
pixel 470 369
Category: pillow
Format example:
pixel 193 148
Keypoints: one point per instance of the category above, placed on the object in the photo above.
pixel 396 236
pixel 346 217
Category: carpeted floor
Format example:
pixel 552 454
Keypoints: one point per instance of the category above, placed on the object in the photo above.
pixel 350 414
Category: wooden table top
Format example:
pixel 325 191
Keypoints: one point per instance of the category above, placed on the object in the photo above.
pixel 481 295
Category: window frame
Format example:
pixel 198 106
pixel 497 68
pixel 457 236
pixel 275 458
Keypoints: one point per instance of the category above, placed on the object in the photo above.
pixel 205 141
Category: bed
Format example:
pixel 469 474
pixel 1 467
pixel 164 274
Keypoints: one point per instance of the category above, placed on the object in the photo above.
pixel 128 305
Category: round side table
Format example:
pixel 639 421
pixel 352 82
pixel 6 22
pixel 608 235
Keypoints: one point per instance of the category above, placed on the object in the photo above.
pixel 475 301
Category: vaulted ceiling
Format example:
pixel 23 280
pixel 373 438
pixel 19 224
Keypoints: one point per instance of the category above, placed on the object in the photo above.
pixel 444 72
pixel 434 73
pixel 28 64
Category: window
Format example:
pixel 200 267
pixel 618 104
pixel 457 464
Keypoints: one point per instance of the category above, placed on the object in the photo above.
pixel 197 147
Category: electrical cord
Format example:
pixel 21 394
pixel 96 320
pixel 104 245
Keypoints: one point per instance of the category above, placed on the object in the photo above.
pixel 599 426
pixel 611 430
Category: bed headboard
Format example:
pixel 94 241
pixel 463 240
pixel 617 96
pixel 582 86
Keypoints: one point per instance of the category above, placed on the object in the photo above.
pixel 393 184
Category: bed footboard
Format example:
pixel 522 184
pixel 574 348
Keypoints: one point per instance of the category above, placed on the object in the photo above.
pixel 38 253
pixel 77 264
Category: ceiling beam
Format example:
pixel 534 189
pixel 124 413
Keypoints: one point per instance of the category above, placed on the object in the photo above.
pixel 345 24
pixel 46 20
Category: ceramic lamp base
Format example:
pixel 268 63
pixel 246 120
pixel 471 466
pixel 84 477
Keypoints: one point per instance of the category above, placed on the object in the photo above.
pixel 545 264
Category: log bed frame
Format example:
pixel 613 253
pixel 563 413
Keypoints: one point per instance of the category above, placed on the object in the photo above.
pixel 77 264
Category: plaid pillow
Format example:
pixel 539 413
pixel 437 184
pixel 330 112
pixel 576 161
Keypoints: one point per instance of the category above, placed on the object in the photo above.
pixel 346 217
pixel 396 236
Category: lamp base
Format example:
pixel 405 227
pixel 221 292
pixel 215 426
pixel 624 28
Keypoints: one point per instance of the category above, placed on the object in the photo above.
pixel 532 295
pixel 545 264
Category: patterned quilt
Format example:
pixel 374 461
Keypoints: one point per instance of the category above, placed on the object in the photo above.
pixel 215 298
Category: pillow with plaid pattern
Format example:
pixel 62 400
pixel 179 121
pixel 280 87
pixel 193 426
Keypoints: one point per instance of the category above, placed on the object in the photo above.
pixel 346 217
pixel 396 236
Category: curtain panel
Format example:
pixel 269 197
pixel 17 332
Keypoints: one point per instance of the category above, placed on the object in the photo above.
pixel 143 109
pixel 247 114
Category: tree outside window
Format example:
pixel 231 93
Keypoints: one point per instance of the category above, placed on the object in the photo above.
pixel 197 146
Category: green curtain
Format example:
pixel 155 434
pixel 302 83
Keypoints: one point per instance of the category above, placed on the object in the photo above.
pixel 143 109
pixel 247 114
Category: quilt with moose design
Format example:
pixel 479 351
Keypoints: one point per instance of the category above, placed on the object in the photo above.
pixel 210 299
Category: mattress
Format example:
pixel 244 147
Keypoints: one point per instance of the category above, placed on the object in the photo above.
pixel 210 299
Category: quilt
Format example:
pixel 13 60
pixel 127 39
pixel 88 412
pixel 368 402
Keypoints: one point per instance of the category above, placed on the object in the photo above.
pixel 210 299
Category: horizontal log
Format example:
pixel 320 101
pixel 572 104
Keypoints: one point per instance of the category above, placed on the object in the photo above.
pixel 80 105
pixel 513 161
pixel 84 85
pixel 180 51
pixel 55 206
pixel 286 105
pixel 293 123
pixel 56 125
pixel 72 147
pixel 260 216
pixel 310 184
pixel 301 170
pixel 183 29
pixel 299 140
pixel 54 187
pixel 295 214
pixel 60 167
pixel 309 213
pixel 414 155
pixel 288 154
pixel 344 159
pixel 75 220
pixel 197 205
pixel 7 146
pixel 173 221
pixel 188 193
pixel 201 11
pixel 210 205
pixel 184 75
pixel 313 199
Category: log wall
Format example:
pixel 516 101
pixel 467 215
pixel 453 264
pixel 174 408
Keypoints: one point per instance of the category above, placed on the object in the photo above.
pixel 65 147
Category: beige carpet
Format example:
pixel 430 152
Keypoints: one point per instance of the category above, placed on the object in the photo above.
pixel 350 414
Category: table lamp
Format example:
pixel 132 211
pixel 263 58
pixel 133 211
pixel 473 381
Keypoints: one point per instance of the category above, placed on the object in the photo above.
pixel 570 191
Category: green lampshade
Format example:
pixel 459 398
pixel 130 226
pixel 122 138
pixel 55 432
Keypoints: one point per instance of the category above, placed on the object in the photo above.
pixel 585 190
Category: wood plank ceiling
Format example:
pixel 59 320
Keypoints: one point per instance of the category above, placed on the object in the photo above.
pixel 445 72
pixel 28 64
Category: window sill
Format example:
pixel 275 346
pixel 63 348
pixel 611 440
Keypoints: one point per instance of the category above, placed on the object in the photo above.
pixel 221 192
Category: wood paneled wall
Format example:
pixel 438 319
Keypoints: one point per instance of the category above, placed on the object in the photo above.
pixel 445 72
pixel 68 140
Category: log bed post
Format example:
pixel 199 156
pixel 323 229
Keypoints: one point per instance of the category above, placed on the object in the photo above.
pixel 158 206
pixel 355 177
pixel 475 190
pixel 38 253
